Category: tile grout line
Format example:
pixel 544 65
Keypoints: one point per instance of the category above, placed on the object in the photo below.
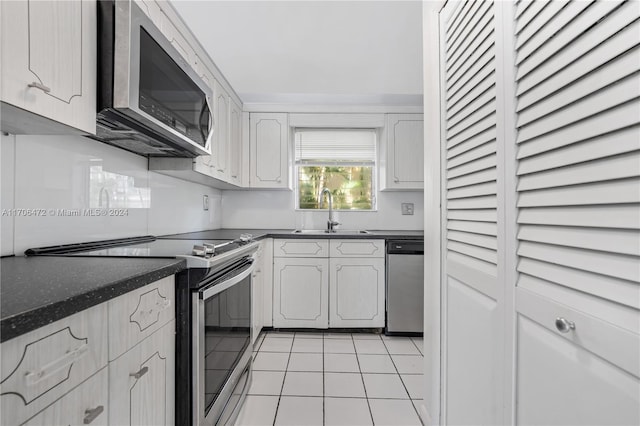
pixel 362 379
pixel 283 380
pixel 402 381
pixel 324 396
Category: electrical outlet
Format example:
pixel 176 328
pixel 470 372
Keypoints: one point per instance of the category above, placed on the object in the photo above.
pixel 205 202
pixel 407 208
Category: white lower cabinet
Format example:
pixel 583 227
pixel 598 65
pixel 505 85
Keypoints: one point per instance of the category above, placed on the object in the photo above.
pixel 60 374
pixel 328 283
pixel 142 382
pixel 356 292
pixel 300 292
pixel 87 404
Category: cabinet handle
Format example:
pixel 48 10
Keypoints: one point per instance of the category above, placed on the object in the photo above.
pixel 221 170
pixel 278 180
pixel 91 414
pixel 68 358
pixel 396 180
pixel 40 86
pixel 564 326
pixel 142 372
pixel 235 177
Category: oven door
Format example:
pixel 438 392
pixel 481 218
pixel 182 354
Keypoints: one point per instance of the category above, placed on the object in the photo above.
pixel 221 340
pixel 153 84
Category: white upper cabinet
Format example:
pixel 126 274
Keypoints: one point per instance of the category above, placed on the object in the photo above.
pixel 235 145
pixel 402 165
pixel 220 143
pixel 48 66
pixel 269 150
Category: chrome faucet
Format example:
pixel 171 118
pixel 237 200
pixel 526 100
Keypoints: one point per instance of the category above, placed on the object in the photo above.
pixel 331 224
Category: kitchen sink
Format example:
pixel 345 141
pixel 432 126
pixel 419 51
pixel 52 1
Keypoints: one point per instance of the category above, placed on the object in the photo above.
pixel 324 231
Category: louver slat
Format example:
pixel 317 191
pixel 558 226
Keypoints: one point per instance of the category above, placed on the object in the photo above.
pixel 473 227
pixel 620 167
pixel 608 145
pixel 473 215
pixel 621 216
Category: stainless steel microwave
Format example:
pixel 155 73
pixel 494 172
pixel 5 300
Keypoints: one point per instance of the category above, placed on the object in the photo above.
pixel 150 100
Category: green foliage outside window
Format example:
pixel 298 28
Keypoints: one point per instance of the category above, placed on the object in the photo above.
pixel 351 187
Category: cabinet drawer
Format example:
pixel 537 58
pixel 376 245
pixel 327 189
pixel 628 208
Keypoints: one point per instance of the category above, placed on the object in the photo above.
pixel 41 366
pixel 86 404
pixel 136 315
pixel 356 248
pixel 301 248
pixel 142 382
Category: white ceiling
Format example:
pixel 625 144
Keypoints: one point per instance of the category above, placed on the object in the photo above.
pixel 367 52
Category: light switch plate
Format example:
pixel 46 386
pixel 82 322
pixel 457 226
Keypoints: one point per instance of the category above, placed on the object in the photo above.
pixel 205 202
pixel 407 208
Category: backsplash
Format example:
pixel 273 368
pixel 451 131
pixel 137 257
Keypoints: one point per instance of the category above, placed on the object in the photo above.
pixel 58 177
pixel 275 209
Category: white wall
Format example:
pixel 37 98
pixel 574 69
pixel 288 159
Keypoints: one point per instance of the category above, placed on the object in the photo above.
pixel 53 172
pixel 275 209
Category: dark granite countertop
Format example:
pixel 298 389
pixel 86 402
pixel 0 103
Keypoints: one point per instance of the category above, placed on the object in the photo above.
pixel 258 234
pixel 36 291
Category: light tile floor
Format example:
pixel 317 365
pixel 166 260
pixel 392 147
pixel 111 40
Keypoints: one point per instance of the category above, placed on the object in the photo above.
pixel 334 379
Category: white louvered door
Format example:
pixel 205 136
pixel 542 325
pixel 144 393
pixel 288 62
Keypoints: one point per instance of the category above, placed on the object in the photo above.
pixel 578 223
pixel 473 301
pixel 541 212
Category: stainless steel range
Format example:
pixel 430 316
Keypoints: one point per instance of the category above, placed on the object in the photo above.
pixel 213 312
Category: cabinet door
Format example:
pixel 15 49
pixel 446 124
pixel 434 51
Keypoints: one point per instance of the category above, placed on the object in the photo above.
pixel 221 135
pixel 48 58
pixel 235 144
pixel 405 151
pixel 87 404
pixel 356 292
pixel 178 40
pixel 43 365
pixel 142 382
pixel 267 283
pixel 269 150
pixel 300 292
pixel 257 295
pixel 137 314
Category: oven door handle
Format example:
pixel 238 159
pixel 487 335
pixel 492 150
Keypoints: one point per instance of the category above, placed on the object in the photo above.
pixel 207 292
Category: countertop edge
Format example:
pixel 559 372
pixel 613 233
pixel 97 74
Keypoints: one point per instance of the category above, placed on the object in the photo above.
pixel 25 322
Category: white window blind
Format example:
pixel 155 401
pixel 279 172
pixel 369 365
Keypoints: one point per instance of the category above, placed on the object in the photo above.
pixel 344 147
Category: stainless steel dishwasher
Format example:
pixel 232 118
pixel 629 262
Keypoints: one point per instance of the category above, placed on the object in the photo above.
pixel 405 287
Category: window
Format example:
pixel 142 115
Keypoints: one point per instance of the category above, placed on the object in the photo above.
pixel 342 161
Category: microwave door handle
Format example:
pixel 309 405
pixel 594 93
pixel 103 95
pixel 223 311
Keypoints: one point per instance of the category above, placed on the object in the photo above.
pixel 207 137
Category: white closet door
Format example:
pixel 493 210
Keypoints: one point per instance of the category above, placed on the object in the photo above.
pixel 578 167
pixel 473 306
